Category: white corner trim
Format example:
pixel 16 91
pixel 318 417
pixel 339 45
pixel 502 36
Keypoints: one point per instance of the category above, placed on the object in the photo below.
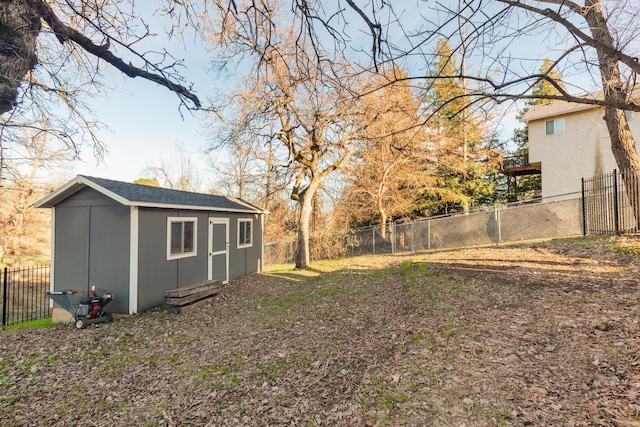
pixel 261 266
pixel 53 254
pixel 133 260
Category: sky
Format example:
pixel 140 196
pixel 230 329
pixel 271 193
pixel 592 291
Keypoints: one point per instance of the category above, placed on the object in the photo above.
pixel 145 127
pixel 146 124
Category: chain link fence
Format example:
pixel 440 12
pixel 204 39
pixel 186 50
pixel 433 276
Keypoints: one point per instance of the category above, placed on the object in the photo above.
pixel 539 219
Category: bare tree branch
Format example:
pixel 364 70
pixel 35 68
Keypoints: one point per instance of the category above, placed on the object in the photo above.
pixel 612 52
pixel 65 33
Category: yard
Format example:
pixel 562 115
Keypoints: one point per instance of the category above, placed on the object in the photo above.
pixel 545 334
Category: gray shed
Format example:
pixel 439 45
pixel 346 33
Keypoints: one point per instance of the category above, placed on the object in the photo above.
pixel 138 241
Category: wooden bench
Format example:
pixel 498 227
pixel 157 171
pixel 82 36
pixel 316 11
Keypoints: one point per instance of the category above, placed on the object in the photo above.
pixel 181 297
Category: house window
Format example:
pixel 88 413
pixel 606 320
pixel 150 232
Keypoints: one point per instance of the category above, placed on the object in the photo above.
pixel 245 233
pixel 554 126
pixel 181 237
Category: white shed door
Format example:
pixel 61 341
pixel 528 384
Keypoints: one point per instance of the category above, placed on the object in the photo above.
pixel 219 249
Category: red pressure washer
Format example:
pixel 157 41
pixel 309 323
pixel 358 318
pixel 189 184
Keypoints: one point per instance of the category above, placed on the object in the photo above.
pixel 86 311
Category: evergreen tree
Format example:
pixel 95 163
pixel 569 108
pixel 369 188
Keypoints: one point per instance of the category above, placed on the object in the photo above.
pixel 463 155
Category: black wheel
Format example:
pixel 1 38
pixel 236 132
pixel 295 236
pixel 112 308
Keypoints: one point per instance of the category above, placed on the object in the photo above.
pixel 81 323
pixel 108 315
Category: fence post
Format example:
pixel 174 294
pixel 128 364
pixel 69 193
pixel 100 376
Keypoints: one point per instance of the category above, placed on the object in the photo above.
pixel 413 236
pixel 584 210
pixel 373 238
pixel 616 213
pixel 393 237
pixel 429 234
pixel 4 297
pixel 497 218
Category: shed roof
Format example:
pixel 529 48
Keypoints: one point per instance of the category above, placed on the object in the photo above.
pixel 130 194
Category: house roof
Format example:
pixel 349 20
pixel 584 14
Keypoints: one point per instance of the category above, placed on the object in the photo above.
pixel 559 108
pixel 130 194
pixel 553 109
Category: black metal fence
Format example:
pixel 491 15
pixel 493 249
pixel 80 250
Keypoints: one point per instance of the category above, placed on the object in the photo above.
pixel 611 203
pixel 22 294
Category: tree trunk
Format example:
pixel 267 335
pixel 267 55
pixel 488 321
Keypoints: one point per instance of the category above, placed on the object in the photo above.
pixel 464 201
pixel 303 258
pixel 622 142
pixel 383 220
pixel 315 216
pixel 19 28
pixel 614 90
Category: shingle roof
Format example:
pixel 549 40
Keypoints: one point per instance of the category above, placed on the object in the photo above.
pixel 143 195
pixel 556 108
pixel 559 108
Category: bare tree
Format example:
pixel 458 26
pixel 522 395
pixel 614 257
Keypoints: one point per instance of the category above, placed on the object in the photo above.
pixel 54 56
pixel 496 38
pixel 381 175
pixel 175 171
pixel 292 99
pixel 247 166
pixel 597 35
pixel 87 34
pixel 30 175
pixel 593 44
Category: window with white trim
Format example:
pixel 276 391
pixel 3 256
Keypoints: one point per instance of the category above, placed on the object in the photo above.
pixel 554 126
pixel 245 232
pixel 182 235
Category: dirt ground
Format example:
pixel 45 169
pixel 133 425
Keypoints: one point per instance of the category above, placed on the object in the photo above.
pixel 534 335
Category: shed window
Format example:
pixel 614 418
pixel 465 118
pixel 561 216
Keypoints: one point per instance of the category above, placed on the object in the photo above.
pixel 181 237
pixel 554 126
pixel 245 233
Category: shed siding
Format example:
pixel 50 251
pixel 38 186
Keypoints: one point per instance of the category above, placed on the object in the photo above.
pixel 92 246
pixel 254 253
pixel 244 261
pixel 88 197
pixel 156 274
pixel 71 248
pixel 109 253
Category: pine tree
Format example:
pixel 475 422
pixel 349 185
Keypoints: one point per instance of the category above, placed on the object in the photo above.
pixel 463 155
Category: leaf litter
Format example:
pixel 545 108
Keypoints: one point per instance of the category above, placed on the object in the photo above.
pixel 530 335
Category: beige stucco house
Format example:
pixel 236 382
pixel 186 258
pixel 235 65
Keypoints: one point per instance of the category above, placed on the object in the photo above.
pixel 571 142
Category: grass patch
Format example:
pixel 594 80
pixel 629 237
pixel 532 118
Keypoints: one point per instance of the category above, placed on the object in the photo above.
pixel 626 247
pixel 39 323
